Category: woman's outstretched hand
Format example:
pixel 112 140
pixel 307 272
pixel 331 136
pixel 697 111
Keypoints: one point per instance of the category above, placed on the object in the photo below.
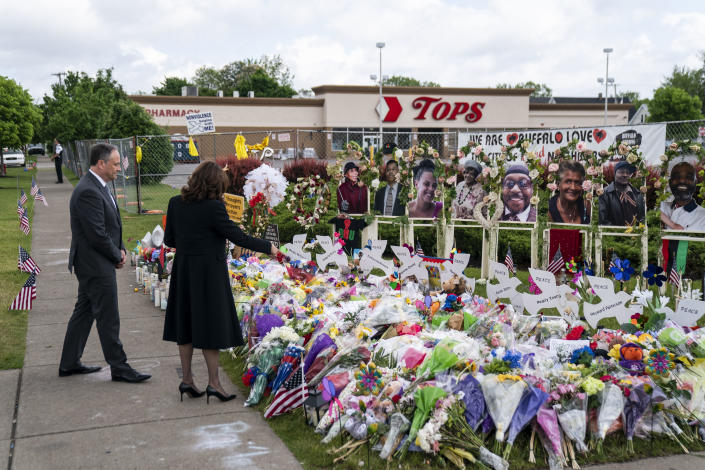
pixel 278 255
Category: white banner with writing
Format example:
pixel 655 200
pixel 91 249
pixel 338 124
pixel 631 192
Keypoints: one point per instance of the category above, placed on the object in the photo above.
pixel 651 139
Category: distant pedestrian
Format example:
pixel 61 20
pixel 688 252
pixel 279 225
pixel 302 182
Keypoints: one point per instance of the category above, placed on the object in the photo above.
pixel 58 160
pixel 96 251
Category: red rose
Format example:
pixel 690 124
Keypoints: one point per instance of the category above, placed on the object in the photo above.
pixel 575 333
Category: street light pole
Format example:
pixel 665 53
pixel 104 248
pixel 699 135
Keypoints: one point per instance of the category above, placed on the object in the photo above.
pixel 607 51
pixel 380 46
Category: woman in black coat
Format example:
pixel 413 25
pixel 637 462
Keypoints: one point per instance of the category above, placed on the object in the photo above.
pixel 200 312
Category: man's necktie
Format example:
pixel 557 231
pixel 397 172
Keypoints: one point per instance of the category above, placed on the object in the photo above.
pixel 110 196
pixel 389 203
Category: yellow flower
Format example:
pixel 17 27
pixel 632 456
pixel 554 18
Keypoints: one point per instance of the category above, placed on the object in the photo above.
pixel 614 352
pixel 503 377
pixel 645 338
pixel 334 332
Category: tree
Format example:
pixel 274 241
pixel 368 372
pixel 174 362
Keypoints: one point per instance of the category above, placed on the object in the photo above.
pixel 264 85
pixel 19 118
pixel 247 75
pixel 84 107
pixel 208 77
pixel 634 98
pixel 674 104
pixel 171 86
pixel 690 80
pixel 540 89
pixel 400 80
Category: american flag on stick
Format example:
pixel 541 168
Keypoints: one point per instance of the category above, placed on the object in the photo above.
pixel 23 197
pixel 557 263
pixel 27 294
pixel 33 190
pixel 26 263
pixel 675 277
pixel 24 222
pixel 291 395
pixel 612 265
pixel 125 163
pixel 40 197
pixel 20 209
pixel 419 250
pixel 509 261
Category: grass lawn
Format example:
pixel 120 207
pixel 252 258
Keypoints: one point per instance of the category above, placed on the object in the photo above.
pixel 13 323
pixel 306 445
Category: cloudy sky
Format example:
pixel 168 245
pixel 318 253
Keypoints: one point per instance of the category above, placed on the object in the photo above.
pixel 452 42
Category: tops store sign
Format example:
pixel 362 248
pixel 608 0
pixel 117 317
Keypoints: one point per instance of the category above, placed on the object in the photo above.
pixel 432 108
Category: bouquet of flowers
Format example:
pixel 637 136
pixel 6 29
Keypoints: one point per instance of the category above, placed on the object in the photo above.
pixel 502 394
pixel 611 407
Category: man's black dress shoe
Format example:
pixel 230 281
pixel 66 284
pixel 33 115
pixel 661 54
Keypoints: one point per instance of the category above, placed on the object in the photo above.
pixel 79 369
pixel 131 376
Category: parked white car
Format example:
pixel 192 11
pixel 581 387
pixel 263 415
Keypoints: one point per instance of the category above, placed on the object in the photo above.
pixel 13 157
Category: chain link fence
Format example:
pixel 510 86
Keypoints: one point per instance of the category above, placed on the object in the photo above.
pixel 166 163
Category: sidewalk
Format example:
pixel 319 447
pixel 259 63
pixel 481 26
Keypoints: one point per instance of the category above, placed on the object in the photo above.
pixel 88 421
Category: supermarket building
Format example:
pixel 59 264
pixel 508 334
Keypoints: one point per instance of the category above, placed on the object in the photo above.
pixel 338 113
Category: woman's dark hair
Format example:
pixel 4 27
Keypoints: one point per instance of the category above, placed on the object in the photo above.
pixel 424 166
pixel 208 181
pixel 571 165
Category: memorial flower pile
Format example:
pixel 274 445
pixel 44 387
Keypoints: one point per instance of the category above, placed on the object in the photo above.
pixel 460 378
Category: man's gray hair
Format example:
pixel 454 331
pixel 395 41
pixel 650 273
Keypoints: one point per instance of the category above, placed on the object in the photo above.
pixel 101 151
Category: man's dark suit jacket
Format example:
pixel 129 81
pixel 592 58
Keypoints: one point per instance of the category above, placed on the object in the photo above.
pixel 96 230
pixel 397 210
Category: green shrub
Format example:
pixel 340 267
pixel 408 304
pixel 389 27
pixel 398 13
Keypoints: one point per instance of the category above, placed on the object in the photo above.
pixel 157 159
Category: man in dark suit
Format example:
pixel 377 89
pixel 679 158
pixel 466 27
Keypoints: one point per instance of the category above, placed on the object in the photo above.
pixel 387 198
pixel 96 251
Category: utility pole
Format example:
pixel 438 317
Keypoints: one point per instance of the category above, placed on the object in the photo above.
pixel 59 74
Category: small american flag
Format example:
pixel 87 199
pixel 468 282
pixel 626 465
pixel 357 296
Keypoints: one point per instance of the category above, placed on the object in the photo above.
pixel 419 250
pixel 26 263
pixel 20 209
pixel 557 263
pixel 291 395
pixel 40 197
pixel 509 261
pixel 675 277
pixel 33 190
pixel 23 301
pixel 125 163
pixel 23 197
pixel 24 222
pixel 612 265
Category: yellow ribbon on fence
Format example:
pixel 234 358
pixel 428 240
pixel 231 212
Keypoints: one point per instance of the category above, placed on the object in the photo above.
pixel 192 150
pixel 259 146
pixel 138 154
pixel 240 147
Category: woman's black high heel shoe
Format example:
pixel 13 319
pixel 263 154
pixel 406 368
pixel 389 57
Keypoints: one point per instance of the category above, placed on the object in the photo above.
pixel 189 390
pixel 211 391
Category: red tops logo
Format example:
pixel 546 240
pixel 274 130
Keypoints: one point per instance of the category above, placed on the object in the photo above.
pixel 439 110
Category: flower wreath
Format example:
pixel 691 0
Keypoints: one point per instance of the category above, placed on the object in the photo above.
pixel 493 175
pixel 369 170
pixel 446 176
pixel 311 186
pixel 675 150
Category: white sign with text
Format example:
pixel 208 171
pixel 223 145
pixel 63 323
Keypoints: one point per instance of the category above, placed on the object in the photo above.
pixel 295 249
pixel 372 258
pixel 200 123
pixel 334 253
